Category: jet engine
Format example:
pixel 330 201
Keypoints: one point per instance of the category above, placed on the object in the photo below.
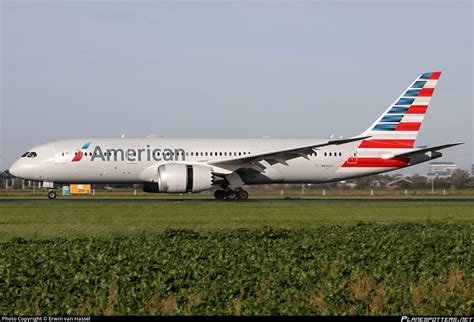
pixel 180 177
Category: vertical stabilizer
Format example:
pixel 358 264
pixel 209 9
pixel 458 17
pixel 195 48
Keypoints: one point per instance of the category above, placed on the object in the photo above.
pixel 399 125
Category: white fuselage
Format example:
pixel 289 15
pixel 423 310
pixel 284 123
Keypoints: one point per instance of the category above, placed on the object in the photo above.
pixel 125 160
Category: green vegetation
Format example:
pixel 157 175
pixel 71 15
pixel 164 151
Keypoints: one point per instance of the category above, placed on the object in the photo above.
pixel 277 191
pixel 237 258
pixel 414 269
pixel 85 219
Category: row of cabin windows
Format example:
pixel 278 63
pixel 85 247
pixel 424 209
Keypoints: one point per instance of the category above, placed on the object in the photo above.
pixel 187 153
pixel 172 153
pixel 196 154
pixel 216 153
pixel 333 154
pixel 328 153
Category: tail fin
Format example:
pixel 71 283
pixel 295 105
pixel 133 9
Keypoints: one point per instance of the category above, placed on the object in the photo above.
pixel 399 125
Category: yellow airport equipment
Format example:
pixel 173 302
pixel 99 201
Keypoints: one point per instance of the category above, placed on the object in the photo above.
pixel 80 189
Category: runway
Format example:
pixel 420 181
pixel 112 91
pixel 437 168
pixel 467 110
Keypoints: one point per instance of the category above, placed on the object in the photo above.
pixel 196 200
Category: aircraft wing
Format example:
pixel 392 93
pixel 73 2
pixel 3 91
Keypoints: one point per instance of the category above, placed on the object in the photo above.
pixel 424 150
pixel 276 156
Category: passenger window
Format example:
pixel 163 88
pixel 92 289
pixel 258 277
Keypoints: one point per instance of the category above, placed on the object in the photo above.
pixel 325 154
pixel 206 154
pixel 220 153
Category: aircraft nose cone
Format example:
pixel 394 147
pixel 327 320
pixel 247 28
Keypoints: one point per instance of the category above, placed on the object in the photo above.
pixel 15 170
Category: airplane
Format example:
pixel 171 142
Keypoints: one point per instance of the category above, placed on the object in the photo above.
pixel 193 165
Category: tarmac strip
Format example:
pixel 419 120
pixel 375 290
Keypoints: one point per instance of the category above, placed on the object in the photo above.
pixel 13 200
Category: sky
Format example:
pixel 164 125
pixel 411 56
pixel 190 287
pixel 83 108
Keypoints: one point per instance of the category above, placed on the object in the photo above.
pixel 230 69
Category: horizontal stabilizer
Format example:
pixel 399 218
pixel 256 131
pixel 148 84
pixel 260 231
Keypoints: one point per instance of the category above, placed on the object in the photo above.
pixel 424 150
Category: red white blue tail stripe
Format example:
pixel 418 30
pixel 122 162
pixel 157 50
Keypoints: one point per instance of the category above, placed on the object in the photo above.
pixel 396 129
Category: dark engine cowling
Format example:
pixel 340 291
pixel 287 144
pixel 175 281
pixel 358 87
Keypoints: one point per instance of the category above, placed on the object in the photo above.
pixel 179 177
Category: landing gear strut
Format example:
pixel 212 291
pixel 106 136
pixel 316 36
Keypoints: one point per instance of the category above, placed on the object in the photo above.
pixel 52 194
pixel 230 194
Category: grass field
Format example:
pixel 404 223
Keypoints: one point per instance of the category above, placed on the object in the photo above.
pixel 256 192
pixel 84 219
pixel 239 258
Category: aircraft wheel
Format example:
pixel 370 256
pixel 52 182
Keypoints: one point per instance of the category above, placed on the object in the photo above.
pixel 52 194
pixel 219 194
pixel 242 195
pixel 231 194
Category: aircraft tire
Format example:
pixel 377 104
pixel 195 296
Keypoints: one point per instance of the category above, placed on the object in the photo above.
pixel 231 194
pixel 242 195
pixel 52 194
pixel 219 194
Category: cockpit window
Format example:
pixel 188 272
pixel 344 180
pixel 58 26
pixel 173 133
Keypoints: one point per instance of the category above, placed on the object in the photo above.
pixel 32 155
pixel 25 154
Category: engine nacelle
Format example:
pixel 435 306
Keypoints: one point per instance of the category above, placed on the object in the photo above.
pixel 179 177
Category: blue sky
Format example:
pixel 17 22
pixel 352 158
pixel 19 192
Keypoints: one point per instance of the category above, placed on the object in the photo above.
pixel 236 69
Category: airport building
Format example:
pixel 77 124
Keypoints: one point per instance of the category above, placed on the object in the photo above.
pixel 441 169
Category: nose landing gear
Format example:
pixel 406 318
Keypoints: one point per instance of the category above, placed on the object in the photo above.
pixel 52 194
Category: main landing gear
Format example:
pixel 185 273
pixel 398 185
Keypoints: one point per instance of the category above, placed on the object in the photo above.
pixel 52 194
pixel 230 194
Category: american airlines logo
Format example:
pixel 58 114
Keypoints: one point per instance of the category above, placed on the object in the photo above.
pixel 79 153
pixel 130 155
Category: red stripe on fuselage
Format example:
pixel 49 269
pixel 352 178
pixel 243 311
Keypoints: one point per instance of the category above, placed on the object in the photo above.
pixel 376 163
pixel 408 126
pixel 417 109
pixel 395 144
